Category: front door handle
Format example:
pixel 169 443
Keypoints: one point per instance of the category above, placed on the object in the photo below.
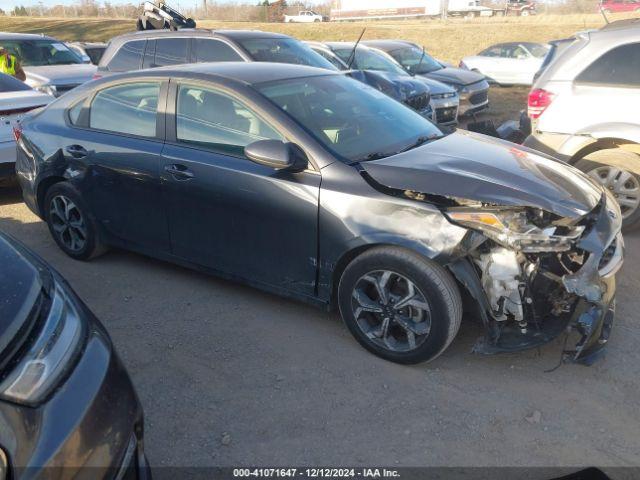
pixel 179 172
pixel 77 151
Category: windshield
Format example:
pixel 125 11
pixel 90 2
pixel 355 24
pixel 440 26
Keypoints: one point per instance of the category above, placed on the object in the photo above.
pixel 36 53
pixel 10 84
pixel 284 50
pixel 538 51
pixel 415 60
pixel 351 119
pixel 369 60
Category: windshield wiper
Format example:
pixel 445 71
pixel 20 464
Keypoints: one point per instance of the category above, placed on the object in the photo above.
pixel 419 141
pixel 372 156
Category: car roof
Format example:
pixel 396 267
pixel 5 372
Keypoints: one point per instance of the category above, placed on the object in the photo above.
pixel 250 73
pixel 23 36
pixel 622 24
pixel 199 32
pixel 388 45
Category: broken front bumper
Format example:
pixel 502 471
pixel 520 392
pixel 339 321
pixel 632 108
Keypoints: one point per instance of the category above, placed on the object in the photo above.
pixel 588 317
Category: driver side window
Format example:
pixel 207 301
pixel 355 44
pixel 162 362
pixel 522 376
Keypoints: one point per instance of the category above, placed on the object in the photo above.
pixel 211 119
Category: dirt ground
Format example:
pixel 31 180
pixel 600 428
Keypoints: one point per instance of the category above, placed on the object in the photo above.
pixel 230 376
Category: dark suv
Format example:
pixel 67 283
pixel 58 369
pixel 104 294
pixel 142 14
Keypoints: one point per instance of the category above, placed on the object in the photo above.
pixel 152 49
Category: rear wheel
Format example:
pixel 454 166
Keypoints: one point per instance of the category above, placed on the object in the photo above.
pixel 607 167
pixel 70 223
pixel 400 306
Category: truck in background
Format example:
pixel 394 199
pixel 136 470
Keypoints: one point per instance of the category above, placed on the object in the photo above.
pixel 344 10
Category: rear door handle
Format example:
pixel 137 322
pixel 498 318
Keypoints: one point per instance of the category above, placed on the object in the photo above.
pixel 179 172
pixel 77 151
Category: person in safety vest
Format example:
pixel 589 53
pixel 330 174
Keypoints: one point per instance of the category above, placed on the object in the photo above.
pixel 10 65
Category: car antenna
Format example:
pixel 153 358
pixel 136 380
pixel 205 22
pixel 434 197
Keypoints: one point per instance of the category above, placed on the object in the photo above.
pixel 604 14
pixel 352 57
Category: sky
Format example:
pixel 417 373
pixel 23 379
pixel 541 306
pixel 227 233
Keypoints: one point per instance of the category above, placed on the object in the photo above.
pixel 9 4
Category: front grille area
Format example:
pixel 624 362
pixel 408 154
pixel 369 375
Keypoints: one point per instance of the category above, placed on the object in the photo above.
pixel 479 97
pixel 447 114
pixel 418 102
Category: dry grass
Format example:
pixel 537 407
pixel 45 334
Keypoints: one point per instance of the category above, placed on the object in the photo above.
pixel 449 40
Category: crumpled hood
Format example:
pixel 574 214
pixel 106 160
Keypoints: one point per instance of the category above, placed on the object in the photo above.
pixel 486 169
pixel 73 74
pixel 435 87
pixel 455 75
pixel 410 86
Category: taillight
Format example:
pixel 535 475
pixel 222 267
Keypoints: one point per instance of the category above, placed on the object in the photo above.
pixel 96 76
pixel 463 65
pixel 539 100
pixel 17 132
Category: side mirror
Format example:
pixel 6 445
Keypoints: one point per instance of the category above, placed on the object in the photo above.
pixel 277 154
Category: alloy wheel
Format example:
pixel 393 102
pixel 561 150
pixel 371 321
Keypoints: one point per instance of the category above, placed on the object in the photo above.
pixel 623 185
pixel 67 223
pixel 391 310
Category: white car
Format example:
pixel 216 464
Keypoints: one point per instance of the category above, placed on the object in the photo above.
pixel 305 16
pixel 50 65
pixel 508 63
pixel 16 99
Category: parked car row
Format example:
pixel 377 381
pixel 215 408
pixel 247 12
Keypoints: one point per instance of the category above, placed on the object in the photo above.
pixel 314 171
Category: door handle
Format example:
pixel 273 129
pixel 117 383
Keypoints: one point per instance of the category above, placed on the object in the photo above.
pixel 179 172
pixel 77 151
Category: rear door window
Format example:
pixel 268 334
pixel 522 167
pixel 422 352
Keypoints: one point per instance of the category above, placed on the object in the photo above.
pixel 130 109
pixel 129 57
pixel 208 50
pixel 617 67
pixel 171 51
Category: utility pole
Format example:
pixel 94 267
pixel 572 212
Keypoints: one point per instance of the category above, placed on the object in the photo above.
pixel 445 6
pixel 204 5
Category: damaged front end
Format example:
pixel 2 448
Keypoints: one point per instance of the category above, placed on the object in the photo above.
pixel 535 275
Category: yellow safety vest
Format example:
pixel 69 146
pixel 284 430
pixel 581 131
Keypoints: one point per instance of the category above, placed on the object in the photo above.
pixel 8 65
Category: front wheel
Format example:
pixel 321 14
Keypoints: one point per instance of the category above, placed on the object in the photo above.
pixel 607 168
pixel 399 305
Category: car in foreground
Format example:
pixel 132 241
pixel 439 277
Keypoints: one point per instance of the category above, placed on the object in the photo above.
pixel 91 52
pixel 513 63
pixel 66 401
pixel 472 87
pixel 373 64
pixel 50 65
pixel 16 100
pixel 313 185
pixel 140 50
pixel 583 109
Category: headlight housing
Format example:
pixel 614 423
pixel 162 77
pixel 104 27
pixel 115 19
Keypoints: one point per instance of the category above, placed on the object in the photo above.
pixel 48 89
pixel 50 355
pixel 517 228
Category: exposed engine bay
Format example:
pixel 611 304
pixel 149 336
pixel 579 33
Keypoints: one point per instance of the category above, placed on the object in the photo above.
pixel 543 278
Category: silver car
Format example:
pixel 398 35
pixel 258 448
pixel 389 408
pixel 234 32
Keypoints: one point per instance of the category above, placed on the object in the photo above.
pixel 584 109
pixel 50 65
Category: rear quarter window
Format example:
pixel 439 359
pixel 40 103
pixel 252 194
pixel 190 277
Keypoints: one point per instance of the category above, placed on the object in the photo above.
pixel 618 67
pixel 128 58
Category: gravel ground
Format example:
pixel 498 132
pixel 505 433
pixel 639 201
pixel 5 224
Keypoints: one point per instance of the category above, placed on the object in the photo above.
pixel 232 376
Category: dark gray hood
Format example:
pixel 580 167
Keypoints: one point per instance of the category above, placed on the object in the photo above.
pixel 20 287
pixel 477 167
pixel 458 76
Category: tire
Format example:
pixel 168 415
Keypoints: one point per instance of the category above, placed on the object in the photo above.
pixel 524 13
pixel 596 164
pixel 68 234
pixel 434 288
